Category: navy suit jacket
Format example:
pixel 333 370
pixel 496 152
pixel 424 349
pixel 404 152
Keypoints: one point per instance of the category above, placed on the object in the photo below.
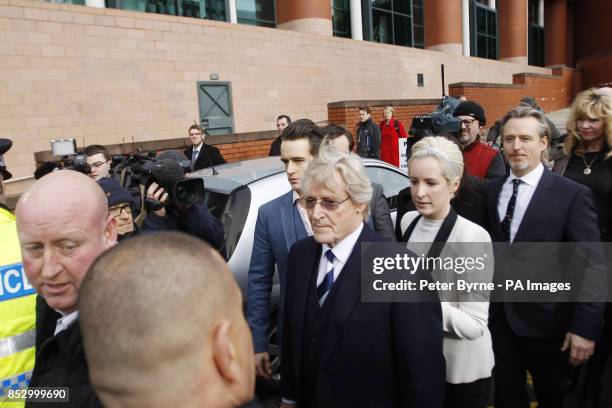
pixel 371 354
pixel 278 226
pixel 560 210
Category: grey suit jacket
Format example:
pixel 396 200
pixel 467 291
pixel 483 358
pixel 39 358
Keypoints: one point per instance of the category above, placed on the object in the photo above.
pixel 380 219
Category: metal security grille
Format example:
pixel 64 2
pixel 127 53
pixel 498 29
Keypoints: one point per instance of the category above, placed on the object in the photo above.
pixel 216 114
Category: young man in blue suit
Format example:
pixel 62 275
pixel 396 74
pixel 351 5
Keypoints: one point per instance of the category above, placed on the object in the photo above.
pixel 337 350
pixel 531 205
pixel 280 223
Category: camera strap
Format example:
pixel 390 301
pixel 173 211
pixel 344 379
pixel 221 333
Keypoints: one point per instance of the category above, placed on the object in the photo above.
pixel 143 208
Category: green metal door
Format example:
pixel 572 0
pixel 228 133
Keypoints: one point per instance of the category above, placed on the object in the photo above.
pixel 216 115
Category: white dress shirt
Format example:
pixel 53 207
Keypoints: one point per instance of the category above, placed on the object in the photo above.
pixel 303 213
pixel 525 193
pixel 194 155
pixel 65 321
pixel 342 250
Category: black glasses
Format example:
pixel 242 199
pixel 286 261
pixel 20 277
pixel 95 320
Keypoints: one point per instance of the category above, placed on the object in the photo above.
pixel 330 205
pixel 115 211
pixel 468 122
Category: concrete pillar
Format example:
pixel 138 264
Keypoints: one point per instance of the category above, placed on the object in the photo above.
pixel 555 32
pixel 95 3
pixel 307 16
pixel 442 33
pixel 541 13
pixel 513 26
pixel 465 26
pixel 233 12
pixel 356 20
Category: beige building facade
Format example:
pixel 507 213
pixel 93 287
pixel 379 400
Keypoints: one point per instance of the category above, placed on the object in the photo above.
pixel 109 76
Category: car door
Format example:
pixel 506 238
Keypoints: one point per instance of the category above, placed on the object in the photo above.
pixel 392 180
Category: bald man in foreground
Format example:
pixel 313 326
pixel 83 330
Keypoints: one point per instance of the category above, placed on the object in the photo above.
pixel 158 335
pixel 63 225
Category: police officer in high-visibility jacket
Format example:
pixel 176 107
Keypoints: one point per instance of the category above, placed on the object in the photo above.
pixel 17 302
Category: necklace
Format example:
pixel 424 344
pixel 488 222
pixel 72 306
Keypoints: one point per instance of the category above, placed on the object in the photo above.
pixel 587 170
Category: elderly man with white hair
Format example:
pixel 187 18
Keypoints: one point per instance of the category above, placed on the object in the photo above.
pixel 337 350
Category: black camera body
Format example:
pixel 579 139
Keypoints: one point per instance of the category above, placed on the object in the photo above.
pixel 142 169
pixel 76 162
pixel 438 122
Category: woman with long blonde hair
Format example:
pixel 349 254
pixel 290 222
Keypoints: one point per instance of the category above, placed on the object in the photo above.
pixel 588 161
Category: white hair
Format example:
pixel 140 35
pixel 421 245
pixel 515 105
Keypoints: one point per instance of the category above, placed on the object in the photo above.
pixel 330 161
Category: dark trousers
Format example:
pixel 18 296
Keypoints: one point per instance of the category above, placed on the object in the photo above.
pixel 597 364
pixel 515 355
pixel 468 395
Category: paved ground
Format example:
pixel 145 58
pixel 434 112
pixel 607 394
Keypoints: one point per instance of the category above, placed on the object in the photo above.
pixel 268 392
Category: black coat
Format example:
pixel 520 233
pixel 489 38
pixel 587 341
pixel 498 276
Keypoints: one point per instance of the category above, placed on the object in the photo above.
pixel 372 354
pixel 207 154
pixel 60 360
pixel 560 210
pixel 195 220
pixel 275 147
pixel 368 130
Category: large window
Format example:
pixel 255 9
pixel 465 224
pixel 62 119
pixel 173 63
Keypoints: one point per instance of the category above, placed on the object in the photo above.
pixel 398 22
pixel 341 18
pixel 256 12
pixel 483 30
pixel 208 9
pixel 536 35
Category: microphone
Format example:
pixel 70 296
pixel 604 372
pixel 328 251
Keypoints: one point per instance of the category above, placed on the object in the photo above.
pixel 167 172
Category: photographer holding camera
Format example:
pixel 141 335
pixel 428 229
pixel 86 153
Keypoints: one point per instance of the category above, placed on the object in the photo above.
pixel 175 203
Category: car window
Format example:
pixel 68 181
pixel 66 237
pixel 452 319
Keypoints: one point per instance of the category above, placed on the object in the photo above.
pixel 392 182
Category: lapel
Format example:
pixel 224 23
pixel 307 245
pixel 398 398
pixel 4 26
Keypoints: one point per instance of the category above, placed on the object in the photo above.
pixel 347 296
pixel 202 161
pixel 495 188
pixel 287 221
pixel 310 261
pixel 539 205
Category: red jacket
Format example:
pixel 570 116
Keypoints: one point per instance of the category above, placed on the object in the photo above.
pixel 389 141
pixel 477 158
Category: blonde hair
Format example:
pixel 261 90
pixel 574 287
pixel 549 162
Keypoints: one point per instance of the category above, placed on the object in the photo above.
pixel 389 109
pixel 446 152
pixel 590 104
pixel 330 161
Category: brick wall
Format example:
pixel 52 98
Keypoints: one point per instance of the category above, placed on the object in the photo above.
pixel 245 150
pixel 553 92
pixel 107 75
pixel 347 113
pixel 289 10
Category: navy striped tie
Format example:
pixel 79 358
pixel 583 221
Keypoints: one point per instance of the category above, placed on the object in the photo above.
pixel 505 224
pixel 325 286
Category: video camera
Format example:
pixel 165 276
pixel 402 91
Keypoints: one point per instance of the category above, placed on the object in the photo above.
pixel 71 159
pixel 143 169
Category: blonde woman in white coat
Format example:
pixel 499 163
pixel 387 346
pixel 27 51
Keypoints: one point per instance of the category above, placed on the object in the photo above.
pixel 435 169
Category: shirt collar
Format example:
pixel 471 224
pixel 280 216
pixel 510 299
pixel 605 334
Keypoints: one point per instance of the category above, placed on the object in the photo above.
pixel 296 196
pixel 532 178
pixel 66 320
pixel 198 147
pixel 342 250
